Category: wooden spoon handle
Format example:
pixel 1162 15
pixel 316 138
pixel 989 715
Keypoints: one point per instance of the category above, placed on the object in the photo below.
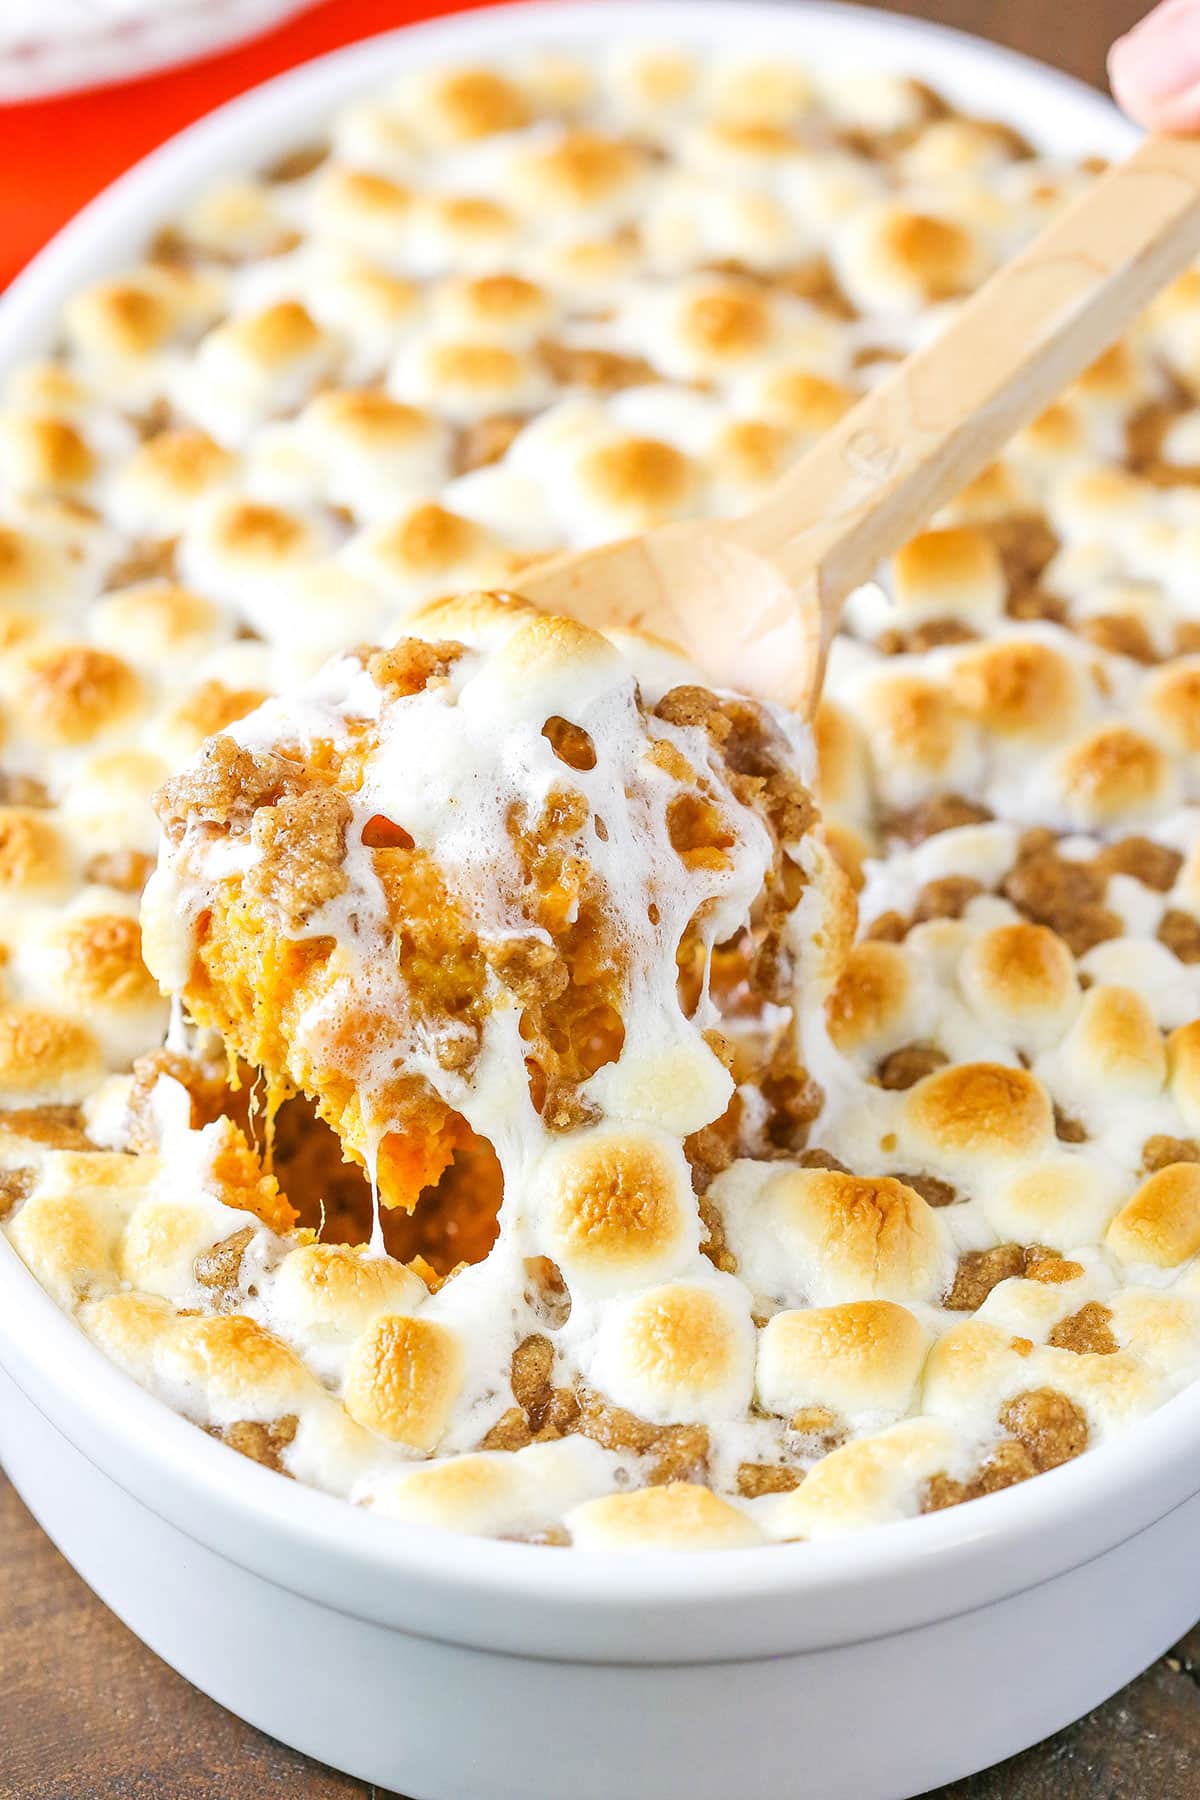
pixel 929 428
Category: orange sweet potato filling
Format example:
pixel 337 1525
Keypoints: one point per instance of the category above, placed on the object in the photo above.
pixel 251 986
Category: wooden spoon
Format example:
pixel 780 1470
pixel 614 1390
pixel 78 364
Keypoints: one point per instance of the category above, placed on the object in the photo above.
pixel 755 601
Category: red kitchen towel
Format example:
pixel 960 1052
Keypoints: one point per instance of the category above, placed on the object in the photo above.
pixel 55 154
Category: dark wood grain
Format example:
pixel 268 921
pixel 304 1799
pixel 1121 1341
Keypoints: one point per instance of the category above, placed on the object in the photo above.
pixel 1072 34
pixel 86 1713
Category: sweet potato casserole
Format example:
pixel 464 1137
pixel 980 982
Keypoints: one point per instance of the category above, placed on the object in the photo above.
pixel 527 1143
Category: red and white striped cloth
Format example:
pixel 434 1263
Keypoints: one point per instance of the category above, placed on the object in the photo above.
pixel 52 46
pixel 59 148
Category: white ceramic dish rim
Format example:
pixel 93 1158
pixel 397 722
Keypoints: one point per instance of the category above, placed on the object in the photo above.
pixel 679 1606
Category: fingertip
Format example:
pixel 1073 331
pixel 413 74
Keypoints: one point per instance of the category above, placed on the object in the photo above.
pixel 1154 69
pixel 1124 85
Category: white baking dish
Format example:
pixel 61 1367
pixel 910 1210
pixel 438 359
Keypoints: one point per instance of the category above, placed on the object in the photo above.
pixel 449 1667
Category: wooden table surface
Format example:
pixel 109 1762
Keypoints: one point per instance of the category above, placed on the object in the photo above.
pixel 86 1713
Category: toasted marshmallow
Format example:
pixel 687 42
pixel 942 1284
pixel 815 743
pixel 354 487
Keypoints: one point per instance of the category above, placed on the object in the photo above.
pixel 48 387
pixel 1063 1202
pixel 367 308
pixel 35 865
pixel 873 1007
pixel 329 605
pixel 618 1207
pixel 403 1378
pixel 677 1087
pixel 373 449
pixel 949 574
pixel 1183 1055
pixel 636 482
pixel 716 328
pixel 1017 689
pixel 823 1238
pixel 161 486
pixel 873 100
pixel 1113 774
pixel 254 368
pixel 679 1516
pixel 601 179
pixel 843 780
pixel 905 260
pixel 467 233
pixel 748 455
pixel 234 220
pixel 502 309
pixel 805 403
pixel 164 1242
pixel 1021 981
pixel 1116 384
pixel 1114 1048
pixel 365 211
pixel 35 573
pixel 1161 1329
pixel 427 553
pixel 646 79
pixel 91 960
pixel 950 147
pixel 68 1230
pixel 334 1292
pixel 201 712
pixel 70 694
pixel 241 1369
pixel 975 1115
pixel 373 133
pixel 107 800
pixel 600 482
pixel 1160 1225
pixel 157 625
pixel 757 90
pixel 1172 699
pixel 680 1352
pixel 997 492
pixel 117 331
pixel 467 379
pixel 46 1058
pixel 585 269
pixel 868 1482
pixel 461 103
pixel 689 224
pixel 921 740
pixel 558 82
pixel 742 149
pixel 860 1361
pixel 519 1494
pixel 1085 499
pixel 41 451
pixel 242 553
pixel 129 1327
pixel 1172 321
